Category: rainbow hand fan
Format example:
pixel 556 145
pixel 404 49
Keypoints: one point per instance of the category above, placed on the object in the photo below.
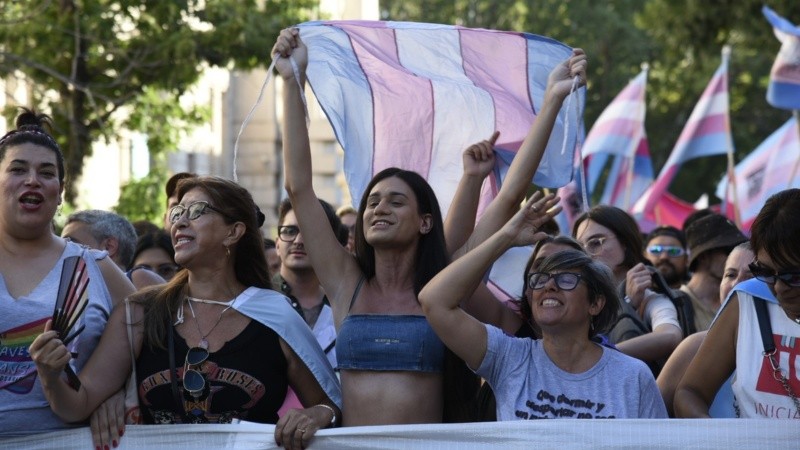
pixel 70 304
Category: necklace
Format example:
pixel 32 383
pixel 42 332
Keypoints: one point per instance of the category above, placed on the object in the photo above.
pixel 211 302
pixel 203 341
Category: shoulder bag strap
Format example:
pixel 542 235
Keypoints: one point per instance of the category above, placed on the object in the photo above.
pixel 764 325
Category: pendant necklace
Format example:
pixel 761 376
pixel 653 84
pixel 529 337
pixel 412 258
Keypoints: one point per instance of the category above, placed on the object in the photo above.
pixel 203 341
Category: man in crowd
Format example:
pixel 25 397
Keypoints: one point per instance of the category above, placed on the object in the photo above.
pixel 104 230
pixel 710 240
pixel 665 247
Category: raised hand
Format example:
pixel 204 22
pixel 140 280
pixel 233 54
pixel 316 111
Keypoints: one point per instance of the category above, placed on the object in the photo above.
pixel 523 228
pixel 289 44
pixel 478 158
pixel 559 82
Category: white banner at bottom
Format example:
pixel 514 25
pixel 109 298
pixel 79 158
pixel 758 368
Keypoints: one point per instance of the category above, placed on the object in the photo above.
pixel 683 434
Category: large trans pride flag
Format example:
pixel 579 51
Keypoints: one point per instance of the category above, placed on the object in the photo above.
pixel 415 95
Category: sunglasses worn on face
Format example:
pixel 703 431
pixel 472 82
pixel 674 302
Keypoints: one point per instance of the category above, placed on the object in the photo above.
pixel 195 209
pixel 288 233
pixel 769 276
pixel 566 281
pixel 671 250
pixel 194 382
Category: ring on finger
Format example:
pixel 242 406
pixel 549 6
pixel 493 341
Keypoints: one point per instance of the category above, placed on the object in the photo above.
pixel 301 430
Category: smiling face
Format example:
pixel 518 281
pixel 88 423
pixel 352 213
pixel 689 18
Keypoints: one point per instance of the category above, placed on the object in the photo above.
pixel 555 308
pixel 31 189
pixel 391 217
pixel 202 239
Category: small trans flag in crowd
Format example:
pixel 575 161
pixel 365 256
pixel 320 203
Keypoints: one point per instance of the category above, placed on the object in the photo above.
pixel 619 134
pixel 415 95
pixel 706 133
pixel 784 83
pixel 770 168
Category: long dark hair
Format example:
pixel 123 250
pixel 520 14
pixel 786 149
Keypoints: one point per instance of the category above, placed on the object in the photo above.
pixel 431 250
pixel 31 129
pixel 624 228
pixel 249 263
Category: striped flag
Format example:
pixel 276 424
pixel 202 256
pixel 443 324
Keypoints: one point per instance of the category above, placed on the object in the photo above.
pixel 784 78
pixel 414 96
pixel 770 168
pixel 619 134
pixel 706 133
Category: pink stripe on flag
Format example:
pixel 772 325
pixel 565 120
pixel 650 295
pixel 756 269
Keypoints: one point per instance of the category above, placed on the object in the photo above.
pixel 500 73
pixel 619 127
pixel 397 96
pixel 707 125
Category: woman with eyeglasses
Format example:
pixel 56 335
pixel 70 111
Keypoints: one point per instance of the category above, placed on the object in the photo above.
pixel 755 334
pixel 572 298
pixel 611 236
pixel 31 266
pixel 213 345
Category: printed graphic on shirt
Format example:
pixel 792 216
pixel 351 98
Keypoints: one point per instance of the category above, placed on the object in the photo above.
pixel 551 406
pixel 17 370
pixel 787 355
pixel 198 409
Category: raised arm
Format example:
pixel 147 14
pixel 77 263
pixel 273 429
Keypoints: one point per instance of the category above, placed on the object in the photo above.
pixel 335 267
pixel 520 174
pixel 104 374
pixel 440 298
pixel 478 160
pixel 713 364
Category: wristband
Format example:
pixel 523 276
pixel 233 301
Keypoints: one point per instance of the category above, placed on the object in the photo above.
pixel 333 412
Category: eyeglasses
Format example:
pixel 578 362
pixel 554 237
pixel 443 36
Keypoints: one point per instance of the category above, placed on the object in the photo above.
pixel 770 276
pixel 166 270
pixel 288 233
pixel 595 245
pixel 196 210
pixel 194 382
pixel 671 250
pixel 566 281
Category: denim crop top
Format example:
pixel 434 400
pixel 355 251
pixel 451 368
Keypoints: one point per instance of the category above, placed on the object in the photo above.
pixel 388 343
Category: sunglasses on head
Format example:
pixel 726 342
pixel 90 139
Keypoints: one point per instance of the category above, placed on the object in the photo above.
pixel 671 250
pixel 194 382
pixel 566 281
pixel 769 276
pixel 195 209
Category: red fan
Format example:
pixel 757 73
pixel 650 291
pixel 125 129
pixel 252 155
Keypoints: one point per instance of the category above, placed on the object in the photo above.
pixel 70 304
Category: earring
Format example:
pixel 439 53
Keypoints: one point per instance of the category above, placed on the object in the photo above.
pixel 227 251
pixel 591 323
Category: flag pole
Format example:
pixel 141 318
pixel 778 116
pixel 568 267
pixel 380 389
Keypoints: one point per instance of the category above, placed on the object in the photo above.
pixel 726 55
pixel 796 113
pixel 632 156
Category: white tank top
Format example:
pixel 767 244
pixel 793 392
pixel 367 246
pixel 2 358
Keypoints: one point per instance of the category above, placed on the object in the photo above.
pixel 758 394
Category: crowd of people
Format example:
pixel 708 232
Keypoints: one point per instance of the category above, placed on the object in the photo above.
pixel 380 314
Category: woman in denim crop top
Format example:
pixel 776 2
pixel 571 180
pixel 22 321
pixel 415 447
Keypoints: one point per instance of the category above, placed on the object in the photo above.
pixel 399 246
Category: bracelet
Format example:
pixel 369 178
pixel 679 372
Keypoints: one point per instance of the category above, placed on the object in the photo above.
pixel 333 413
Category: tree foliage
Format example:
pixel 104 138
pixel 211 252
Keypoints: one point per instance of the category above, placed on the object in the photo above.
pixel 680 39
pixel 89 59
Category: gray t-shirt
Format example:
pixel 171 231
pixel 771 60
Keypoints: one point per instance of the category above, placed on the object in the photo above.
pixel 527 385
pixel 23 407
